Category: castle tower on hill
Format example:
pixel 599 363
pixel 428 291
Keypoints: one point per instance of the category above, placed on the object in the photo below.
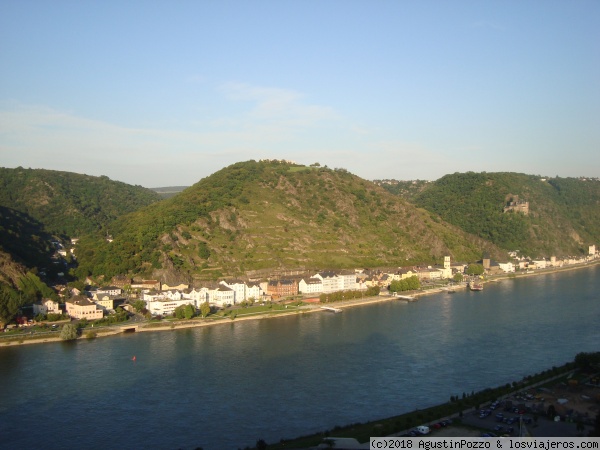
pixel 516 205
pixel 446 262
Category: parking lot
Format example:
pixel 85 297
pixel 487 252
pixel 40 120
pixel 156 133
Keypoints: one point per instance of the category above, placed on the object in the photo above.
pixel 503 420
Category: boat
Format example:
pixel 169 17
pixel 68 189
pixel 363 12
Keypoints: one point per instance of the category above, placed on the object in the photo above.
pixel 475 286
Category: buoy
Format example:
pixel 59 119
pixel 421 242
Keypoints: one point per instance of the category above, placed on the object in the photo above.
pixel 133 359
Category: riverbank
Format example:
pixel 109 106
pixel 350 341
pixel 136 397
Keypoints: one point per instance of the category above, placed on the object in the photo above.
pixel 306 309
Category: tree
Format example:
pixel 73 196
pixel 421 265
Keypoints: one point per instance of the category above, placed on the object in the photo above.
pixel 587 361
pixel 203 250
pixel 372 291
pixel 475 269
pixel 179 312
pixel 458 277
pixel 9 303
pixel 68 332
pixel 205 309
pixel 139 305
pixel 189 311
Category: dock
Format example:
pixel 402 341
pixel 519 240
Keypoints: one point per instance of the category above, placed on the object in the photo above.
pixel 329 308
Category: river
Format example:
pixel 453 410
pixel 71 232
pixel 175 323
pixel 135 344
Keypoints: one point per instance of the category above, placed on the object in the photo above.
pixel 226 386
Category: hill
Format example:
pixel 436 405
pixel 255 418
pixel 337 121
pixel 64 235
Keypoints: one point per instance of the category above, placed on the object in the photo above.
pixel 69 204
pixel 274 215
pixel 563 214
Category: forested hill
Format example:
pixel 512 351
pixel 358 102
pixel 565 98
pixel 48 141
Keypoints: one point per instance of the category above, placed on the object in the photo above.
pixel 563 218
pixel 272 215
pixel 69 204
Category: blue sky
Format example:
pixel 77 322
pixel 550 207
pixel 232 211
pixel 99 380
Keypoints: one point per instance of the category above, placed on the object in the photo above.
pixel 165 93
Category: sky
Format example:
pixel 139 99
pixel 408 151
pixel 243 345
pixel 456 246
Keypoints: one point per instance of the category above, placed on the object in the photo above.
pixel 158 93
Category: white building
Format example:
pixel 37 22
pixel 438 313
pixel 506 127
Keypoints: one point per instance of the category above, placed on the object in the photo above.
pixel 109 290
pixel 253 291
pixel 347 280
pixel 331 282
pixel 311 285
pixel 238 288
pixel 507 267
pixel 199 296
pixel 224 296
pixel 166 306
pixel 46 306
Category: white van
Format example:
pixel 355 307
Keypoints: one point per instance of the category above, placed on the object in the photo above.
pixel 423 429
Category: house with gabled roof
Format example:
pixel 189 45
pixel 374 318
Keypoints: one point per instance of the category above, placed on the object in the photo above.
pixel 46 306
pixel 239 289
pixel 310 285
pixel 224 296
pixel 331 282
pixel 283 287
pixel 253 290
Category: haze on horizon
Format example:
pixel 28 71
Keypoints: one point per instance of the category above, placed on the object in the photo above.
pixel 164 94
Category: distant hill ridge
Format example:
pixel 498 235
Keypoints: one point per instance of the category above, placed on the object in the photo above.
pixel 261 215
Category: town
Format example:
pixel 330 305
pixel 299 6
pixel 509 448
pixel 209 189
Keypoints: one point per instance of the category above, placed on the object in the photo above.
pixel 155 299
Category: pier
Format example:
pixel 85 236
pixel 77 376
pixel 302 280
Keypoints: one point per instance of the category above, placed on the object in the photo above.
pixel 329 308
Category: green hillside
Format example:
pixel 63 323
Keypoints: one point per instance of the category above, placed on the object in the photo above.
pixel 563 219
pixel 69 204
pixel 272 215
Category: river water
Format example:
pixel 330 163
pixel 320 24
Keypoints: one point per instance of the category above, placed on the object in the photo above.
pixel 226 386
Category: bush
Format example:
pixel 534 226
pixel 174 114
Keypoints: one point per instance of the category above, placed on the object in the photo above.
pixel 91 335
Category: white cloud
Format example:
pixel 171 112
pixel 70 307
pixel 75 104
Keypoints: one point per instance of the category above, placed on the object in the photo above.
pixel 42 137
pixel 278 105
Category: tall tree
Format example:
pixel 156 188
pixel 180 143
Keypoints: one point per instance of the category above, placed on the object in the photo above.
pixel 68 332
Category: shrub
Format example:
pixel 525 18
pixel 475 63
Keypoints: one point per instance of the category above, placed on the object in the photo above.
pixel 91 335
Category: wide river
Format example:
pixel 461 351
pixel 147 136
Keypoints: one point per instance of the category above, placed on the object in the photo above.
pixel 226 386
